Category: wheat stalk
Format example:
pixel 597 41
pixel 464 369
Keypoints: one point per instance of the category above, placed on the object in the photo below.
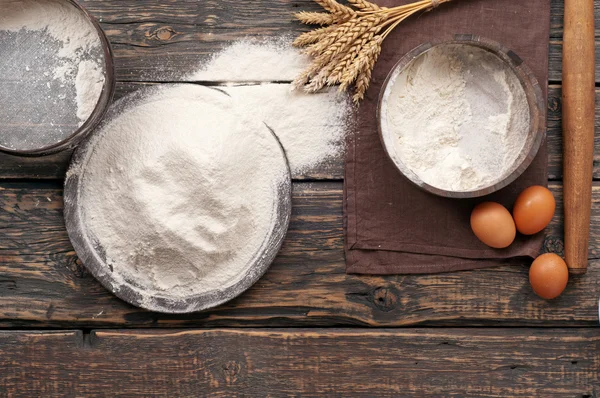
pixel 363 80
pixel 313 36
pixel 322 46
pixel 363 62
pixel 346 48
pixel 335 8
pixel 364 5
pixel 316 18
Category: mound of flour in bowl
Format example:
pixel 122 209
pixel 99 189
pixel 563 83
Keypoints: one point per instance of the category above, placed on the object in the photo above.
pixel 458 117
pixel 51 71
pixel 180 191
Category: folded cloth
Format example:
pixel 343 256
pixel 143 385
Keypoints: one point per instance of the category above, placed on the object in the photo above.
pixel 393 227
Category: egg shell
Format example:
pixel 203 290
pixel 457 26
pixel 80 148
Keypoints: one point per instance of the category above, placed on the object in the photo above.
pixel 549 276
pixel 534 209
pixel 493 224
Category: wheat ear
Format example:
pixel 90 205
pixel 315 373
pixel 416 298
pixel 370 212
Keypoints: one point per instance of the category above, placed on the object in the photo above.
pixel 364 5
pixel 345 51
pixel 313 36
pixel 315 18
pixel 336 8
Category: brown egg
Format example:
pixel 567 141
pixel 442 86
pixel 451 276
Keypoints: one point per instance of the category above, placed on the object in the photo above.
pixel 548 276
pixel 534 210
pixel 493 225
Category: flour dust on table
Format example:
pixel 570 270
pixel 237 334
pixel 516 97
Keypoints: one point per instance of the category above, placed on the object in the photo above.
pixel 254 60
pixel 311 128
pixel 181 201
pixel 51 74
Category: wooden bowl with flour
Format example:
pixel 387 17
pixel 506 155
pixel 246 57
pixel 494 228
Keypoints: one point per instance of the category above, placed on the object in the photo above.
pixel 179 201
pixel 461 118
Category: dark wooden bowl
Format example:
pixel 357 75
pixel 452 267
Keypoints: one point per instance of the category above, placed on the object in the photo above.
pixel 99 111
pixel 92 254
pixel 535 100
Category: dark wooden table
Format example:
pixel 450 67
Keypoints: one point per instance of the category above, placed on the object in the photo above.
pixel 306 328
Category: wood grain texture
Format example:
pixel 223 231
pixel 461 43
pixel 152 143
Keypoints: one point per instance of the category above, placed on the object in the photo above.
pixel 44 284
pixel 168 40
pixel 54 167
pixel 333 362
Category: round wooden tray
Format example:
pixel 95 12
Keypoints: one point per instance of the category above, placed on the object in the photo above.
pixel 535 100
pixel 93 257
pixel 101 107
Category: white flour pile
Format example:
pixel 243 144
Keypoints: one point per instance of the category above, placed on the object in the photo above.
pixel 51 74
pixel 458 118
pixel 311 127
pixel 181 191
pixel 253 60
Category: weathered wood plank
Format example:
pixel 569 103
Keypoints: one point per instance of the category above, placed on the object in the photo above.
pixel 557 8
pixel 222 13
pixel 167 41
pixel 332 362
pixel 48 167
pixel 42 283
pixel 39 358
pixel 55 166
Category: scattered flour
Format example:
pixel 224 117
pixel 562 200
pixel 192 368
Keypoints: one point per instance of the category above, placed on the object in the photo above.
pixel 181 191
pixel 88 83
pixel 457 117
pixel 54 75
pixel 311 127
pixel 254 60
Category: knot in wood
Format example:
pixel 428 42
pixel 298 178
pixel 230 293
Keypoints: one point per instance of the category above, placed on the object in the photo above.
pixel 554 244
pixel 75 265
pixel 384 299
pixel 554 104
pixel 230 371
pixel 164 33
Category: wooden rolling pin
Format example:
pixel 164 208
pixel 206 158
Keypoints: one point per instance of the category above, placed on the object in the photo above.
pixel 578 129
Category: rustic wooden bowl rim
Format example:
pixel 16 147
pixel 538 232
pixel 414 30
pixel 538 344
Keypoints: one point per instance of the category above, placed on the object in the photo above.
pixel 533 92
pixel 92 257
pixel 101 106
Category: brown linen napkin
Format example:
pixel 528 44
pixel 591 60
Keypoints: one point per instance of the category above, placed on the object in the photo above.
pixel 393 227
